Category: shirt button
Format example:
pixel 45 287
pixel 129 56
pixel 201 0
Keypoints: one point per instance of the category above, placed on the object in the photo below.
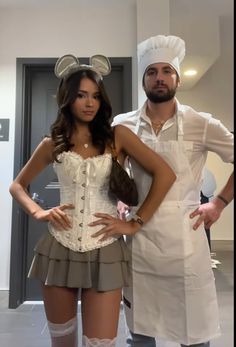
pixel 81 211
pixel 84 172
pixel 82 197
pixel 83 185
pixel 80 224
pixel 79 238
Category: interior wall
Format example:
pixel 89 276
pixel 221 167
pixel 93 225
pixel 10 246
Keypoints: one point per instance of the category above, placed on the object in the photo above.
pixel 214 94
pixel 109 28
pixel 43 32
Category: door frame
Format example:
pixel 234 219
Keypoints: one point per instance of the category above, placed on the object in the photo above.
pixel 24 69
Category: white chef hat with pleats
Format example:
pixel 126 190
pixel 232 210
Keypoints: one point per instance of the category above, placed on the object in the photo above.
pixel 161 49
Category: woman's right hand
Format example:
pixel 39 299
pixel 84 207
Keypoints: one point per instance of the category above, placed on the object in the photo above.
pixel 56 216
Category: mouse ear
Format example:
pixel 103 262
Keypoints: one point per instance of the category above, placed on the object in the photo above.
pixel 65 65
pixel 101 64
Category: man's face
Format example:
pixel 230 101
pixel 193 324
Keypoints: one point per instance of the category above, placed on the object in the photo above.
pixel 160 82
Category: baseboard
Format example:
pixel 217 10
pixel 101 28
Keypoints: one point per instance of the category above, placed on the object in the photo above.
pixel 222 245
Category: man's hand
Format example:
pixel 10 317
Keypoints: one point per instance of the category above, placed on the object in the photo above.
pixel 208 213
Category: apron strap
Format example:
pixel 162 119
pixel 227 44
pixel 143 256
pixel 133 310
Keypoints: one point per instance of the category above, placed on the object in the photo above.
pixel 137 126
pixel 180 129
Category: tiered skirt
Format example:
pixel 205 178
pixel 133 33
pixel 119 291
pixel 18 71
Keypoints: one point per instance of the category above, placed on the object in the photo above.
pixel 103 269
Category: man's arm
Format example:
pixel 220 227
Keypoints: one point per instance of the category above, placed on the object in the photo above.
pixel 210 212
pixel 226 195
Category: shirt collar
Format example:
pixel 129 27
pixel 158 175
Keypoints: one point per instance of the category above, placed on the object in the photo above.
pixel 178 111
pixel 143 114
pixel 179 108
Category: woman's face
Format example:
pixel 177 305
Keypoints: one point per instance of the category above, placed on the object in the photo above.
pixel 87 103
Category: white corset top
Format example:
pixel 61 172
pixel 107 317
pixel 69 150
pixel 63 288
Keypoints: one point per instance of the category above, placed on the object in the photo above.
pixel 83 183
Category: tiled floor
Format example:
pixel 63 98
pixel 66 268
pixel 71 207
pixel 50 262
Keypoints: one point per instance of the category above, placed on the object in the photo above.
pixel 26 325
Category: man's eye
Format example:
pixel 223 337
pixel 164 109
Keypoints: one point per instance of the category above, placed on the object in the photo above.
pixel 150 72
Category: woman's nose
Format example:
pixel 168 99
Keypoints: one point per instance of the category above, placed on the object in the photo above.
pixel 89 101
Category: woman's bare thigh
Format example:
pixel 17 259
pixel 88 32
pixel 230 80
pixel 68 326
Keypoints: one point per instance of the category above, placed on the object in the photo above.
pixel 100 313
pixel 60 303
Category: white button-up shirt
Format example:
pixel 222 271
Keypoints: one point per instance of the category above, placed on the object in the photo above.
pixel 201 129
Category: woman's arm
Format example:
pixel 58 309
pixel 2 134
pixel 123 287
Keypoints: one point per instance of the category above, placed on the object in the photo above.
pixel 127 143
pixel 163 176
pixel 41 157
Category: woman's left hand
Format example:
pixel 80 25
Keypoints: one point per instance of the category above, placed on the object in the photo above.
pixel 113 226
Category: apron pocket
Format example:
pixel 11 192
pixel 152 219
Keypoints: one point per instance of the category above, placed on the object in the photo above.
pixel 164 242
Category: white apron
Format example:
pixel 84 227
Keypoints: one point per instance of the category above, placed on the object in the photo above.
pixel 173 294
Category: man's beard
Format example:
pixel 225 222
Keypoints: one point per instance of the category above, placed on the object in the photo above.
pixel 157 97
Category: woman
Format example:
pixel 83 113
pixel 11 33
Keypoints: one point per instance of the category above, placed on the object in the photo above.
pixel 75 254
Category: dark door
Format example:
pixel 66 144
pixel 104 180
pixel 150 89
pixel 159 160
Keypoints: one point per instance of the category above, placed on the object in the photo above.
pixel 44 189
pixel 41 110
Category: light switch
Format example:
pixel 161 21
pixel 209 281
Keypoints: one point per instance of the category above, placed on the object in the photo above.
pixel 4 129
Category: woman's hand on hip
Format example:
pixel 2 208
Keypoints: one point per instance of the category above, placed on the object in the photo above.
pixel 113 227
pixel 56 216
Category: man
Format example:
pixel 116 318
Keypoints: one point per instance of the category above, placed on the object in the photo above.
pixel 173 293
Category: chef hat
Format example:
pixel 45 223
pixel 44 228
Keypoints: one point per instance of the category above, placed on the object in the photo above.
pixel 161 49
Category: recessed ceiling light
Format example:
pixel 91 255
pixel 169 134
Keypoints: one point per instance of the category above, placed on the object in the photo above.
pixel 190 72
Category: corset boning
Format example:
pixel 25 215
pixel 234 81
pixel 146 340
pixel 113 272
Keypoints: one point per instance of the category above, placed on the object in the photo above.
pixel 83 183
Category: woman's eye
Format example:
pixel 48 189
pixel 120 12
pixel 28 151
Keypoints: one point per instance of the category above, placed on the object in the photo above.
pixel 80 95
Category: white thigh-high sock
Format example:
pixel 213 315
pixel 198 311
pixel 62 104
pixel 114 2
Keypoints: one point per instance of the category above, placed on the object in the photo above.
pixel 64 335
pixel 94 342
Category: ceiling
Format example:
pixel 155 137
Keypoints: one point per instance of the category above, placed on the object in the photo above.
pixel 198 22
pixel 218 7
pixel 203 24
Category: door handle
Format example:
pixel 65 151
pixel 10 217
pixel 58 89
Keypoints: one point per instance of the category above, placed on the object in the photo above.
pixel 36 198
pixel 41 202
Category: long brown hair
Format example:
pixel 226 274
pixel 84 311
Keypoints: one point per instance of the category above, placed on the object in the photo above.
pixel 100 127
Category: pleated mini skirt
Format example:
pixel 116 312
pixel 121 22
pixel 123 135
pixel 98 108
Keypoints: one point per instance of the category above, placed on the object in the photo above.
pixel 103 269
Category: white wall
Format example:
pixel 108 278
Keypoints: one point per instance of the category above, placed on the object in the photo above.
pixel 111 29
pixel 40 32
pixel 214 94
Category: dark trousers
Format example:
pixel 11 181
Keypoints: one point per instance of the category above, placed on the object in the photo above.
pixel 204 200
pixel 136 340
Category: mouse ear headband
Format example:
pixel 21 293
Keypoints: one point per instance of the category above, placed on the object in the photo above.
pixel 68 64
